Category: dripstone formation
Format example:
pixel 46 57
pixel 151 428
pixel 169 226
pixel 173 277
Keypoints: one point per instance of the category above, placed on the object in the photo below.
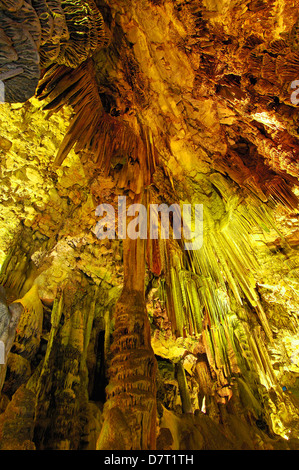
pixel 138 343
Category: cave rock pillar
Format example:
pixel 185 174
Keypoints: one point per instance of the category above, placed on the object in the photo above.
pixel 130 410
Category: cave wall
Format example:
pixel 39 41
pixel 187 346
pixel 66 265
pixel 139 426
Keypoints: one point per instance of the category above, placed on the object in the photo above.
pixel 165 102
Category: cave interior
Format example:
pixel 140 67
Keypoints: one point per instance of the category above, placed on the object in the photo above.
pixel 117 342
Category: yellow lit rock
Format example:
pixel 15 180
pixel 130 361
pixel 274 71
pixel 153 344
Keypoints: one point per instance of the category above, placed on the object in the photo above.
pixel 141 344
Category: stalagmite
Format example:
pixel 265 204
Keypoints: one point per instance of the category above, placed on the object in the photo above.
pixel 131 393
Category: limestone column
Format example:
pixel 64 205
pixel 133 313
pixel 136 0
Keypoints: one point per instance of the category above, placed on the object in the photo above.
pixel 130 410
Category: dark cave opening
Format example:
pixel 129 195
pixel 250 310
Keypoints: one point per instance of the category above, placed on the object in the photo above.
pixel 100 382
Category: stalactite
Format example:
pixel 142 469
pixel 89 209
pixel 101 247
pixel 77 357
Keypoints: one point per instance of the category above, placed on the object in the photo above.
pixel 203 376
pixel 183 104
pixel 183 387
pixel 30 325
pixel 86 32
pixel 96 133
pixel 18 271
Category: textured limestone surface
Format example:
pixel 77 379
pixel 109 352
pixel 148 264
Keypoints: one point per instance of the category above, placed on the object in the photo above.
pixel 143 346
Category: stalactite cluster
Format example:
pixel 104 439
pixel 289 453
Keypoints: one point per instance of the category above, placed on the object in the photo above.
pixel 142 344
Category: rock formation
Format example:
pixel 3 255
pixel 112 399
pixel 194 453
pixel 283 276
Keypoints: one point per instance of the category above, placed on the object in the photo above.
pixel 36 33
pixel 130 344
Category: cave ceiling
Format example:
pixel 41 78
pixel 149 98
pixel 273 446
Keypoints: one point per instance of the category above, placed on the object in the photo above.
pixel 168 101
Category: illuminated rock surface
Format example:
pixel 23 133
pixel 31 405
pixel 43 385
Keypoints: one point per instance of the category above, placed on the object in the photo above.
pixel 147 345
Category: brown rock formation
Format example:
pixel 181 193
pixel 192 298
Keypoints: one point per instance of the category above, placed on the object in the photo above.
pixel 38 33
pixel 130 414
pixel 142 344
